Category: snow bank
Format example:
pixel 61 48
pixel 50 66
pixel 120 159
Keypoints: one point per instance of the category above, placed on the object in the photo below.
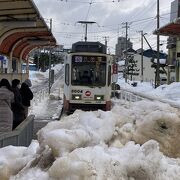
pixel 78 130
pixel 128 142
pixel 147 120
pixel 13 159
pixel 131 162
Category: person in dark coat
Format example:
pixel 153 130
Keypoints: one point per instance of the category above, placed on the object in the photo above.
pixel 17 106
pixel 6 98
pixel 26 95
pixel 85 77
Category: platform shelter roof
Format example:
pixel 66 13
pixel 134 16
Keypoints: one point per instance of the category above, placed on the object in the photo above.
pixel 22 28
pixel 171 29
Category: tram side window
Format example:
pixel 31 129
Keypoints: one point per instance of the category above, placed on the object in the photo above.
pixel 67 74
pixel 109 75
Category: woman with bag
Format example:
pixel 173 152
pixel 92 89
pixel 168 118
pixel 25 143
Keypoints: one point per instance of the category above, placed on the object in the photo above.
pixel 6 98
pixel 26 95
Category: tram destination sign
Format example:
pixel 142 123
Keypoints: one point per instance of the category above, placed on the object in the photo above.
pixel 87 59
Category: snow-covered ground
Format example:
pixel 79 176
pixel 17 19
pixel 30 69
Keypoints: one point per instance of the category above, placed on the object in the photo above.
pixel 167 93
pixel 138 141
pixel 43 105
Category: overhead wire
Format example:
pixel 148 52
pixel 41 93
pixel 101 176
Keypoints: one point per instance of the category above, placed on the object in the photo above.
pixel 134 22
pixel 142 12
pixel 90 4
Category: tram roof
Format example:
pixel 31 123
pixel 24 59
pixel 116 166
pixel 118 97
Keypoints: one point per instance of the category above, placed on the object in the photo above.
pixel 171 29
pixel 22 28
pixel 88 46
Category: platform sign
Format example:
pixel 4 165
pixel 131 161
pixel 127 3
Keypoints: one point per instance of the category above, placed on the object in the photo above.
pixel 114 73
pixel 115 68
pixel 3 61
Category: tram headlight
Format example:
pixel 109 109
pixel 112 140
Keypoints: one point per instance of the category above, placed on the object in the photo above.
pixel 76 97
pixel 99 97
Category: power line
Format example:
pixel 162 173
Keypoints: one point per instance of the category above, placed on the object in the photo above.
pixel 142 12
pixel 88 10
pixel 134 21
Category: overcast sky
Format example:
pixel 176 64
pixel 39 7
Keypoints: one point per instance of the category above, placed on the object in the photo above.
pixel 109 16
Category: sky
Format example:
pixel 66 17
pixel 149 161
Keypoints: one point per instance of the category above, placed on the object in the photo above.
pixel 109 15
pixel 132 141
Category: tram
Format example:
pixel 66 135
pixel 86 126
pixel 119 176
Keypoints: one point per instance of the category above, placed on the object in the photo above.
pixel 87 77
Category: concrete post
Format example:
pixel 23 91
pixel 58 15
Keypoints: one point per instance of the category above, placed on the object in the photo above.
pixel 178 60
pixel 19 66
pixel 9 70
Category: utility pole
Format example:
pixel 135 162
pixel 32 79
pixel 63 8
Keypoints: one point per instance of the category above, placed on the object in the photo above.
pixel 142 64
pixel 106 39
pixel 50 60
pixel 39 55
pixel 158 39
pixel 155 55
pixel 149 45
pixel 126 59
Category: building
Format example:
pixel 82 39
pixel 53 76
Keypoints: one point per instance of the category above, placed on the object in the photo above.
pixel 175 10
pixel 148 70
pixel 121 46
pixel 173 45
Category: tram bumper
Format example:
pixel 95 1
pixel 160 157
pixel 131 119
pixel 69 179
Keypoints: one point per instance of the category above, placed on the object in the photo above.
pixel 90 105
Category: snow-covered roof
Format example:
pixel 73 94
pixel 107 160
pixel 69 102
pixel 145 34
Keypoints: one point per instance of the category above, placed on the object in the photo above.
pixel 121 63
pixel 161 61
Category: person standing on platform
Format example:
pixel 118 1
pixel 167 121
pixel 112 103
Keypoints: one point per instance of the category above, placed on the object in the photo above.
pixel 17 106
pixel 6 114
pixel 26 95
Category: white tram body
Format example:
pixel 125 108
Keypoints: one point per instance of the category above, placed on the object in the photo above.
pixel 87 82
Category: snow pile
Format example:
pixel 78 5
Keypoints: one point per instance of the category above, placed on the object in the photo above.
pixel 145 120
pixel 166 93
pixel 78 130
pixel 131 162
pixel 56 69
pixel 103 162
pixel 39 77
pixel 102 145
pixel 57 89
pixel 13 159
pixel 171 92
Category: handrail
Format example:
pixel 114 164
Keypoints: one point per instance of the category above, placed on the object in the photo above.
pixel 141 96
pixel 21 136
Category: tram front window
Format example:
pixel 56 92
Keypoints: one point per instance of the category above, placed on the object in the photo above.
pixel 88 72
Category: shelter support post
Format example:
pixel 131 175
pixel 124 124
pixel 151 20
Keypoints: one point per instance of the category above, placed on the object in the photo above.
pixel 19 66
pixel 1 66
pixel 178 61
pixel 27 66
pixel 9 70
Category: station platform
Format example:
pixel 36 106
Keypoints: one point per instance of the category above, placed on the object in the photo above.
pixel 46 108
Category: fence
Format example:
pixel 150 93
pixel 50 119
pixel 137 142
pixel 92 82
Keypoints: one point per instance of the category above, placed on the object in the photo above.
pixel 21 136
pixel 129 97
